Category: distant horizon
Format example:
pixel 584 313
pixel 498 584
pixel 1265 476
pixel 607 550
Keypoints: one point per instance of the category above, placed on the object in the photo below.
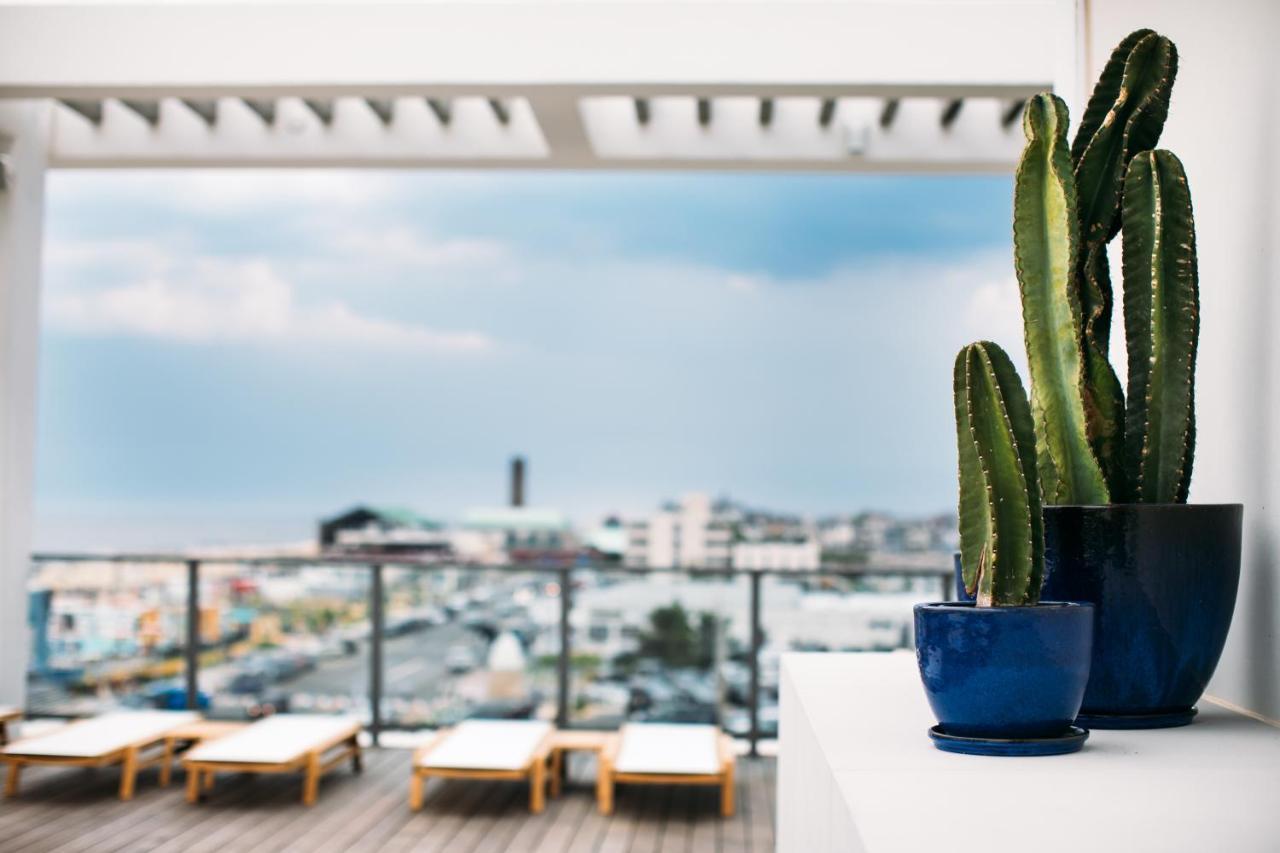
pixel 229 352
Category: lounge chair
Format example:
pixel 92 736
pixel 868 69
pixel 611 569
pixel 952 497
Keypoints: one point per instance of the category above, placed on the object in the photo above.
pixel 487 749
pixel 667 754
pixel 283 743
pixel 122 737
pixel 7 716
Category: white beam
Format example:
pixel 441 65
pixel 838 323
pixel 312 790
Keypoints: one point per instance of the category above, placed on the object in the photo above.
pixel 23 127
pixel 382 50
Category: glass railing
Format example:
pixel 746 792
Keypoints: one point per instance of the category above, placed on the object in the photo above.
pixel 407 644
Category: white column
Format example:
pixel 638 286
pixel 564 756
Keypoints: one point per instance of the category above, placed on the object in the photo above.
pixel 23 137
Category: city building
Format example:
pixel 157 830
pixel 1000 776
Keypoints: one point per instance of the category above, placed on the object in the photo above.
pixel 383 530
pixel 687 534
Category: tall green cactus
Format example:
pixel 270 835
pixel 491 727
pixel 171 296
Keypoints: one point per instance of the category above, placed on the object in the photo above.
pixel 1046 241
pixel 1125 115
pixel 1161 324
pixel 1001 526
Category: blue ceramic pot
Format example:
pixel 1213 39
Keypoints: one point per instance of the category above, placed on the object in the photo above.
pixel 1004 672
pixel 1162 579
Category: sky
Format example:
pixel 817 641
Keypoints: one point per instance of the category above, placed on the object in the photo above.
pixel 229 356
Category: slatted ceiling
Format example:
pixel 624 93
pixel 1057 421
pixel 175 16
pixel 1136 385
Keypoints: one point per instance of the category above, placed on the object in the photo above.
pixel 441 109
pixel 266 110
pixel 1012 113
pixel 91 110
pixel 766 112
pixel 322 110
pixel 888 112
pixel 207 110
pixel 148 111
pixel 951 111
pixel 642 110
pixel 383 108
pixel 704 111
pixel 500 111
pixel 826 112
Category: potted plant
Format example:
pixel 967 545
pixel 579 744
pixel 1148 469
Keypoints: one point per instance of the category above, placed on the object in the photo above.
pixel 1119 532
pixel 1004 674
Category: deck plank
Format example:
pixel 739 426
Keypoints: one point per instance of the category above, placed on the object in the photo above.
pixel 76 811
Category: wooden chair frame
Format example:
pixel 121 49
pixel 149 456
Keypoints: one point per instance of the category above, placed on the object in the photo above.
pixel 535 771
pixel 131 758
pixel 609 777
pixel 313 764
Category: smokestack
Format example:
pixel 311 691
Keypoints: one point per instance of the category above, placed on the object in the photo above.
pixel 517 481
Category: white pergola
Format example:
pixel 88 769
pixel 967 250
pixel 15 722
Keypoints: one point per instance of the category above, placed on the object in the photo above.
pixel 902 86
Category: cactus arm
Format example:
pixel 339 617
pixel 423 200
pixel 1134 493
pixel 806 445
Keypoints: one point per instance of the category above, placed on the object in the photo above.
pixel 1001 532
pixel 1125 114
pixel 1045 239
pixel 1161 312
pixel 974 512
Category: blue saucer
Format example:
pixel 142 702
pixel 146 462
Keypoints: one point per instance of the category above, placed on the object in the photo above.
pixel 1170 720
pixel 1069 741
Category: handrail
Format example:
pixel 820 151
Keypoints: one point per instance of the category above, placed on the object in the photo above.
pixel 376 563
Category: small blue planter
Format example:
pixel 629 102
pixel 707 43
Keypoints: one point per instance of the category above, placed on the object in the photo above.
pixel 1004 673
pixel 1162 579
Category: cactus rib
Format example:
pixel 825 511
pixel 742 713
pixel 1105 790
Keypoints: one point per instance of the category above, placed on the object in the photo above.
pixel 1161 313
pixel 1125 115
pixel 1046 248
pixel 1001 526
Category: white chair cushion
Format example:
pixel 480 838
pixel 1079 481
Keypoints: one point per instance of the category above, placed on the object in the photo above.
pixel 488 745
pixel 103 735
pixel 279 739
pixel 669 749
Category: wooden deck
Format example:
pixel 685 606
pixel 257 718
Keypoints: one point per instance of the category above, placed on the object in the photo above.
pixel 77 810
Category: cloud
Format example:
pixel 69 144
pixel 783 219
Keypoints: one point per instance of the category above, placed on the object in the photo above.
pixel 403 246
pixel 212 300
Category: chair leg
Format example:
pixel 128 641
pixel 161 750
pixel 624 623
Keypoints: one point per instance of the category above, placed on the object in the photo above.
pixel 166 763
pixel 604 790
pixel 726 793
pixel 208 781
pixel 538 786
pixel 129 773
pixel 415 792
pixel 311 785
pixel 11 782
pixel 357 764
pixel 557 771
pixel 193 784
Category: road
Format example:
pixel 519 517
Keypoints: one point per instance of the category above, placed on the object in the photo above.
pixel 412 665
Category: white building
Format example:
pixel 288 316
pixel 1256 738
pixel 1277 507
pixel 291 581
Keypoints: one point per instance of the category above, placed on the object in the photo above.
pixel 685 535
pixel 793 556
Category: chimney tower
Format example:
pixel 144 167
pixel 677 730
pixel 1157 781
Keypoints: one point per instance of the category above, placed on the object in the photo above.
pixel 517 481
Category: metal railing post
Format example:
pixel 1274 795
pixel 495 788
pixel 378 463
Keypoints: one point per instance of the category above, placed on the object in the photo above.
pixel 565 656
pixel 377 630
pixel 193 635
pixel 756 642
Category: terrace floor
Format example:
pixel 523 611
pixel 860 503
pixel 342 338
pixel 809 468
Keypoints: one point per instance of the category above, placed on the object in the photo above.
pixel 77 810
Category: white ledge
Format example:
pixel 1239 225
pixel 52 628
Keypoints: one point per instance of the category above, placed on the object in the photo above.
pixel 857 772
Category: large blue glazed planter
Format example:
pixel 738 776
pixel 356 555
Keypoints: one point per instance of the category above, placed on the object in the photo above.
pixel 1004 672
pixel 1162 579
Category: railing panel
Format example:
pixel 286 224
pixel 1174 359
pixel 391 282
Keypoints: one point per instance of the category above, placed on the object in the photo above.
pixel 280 638
pixel 107 635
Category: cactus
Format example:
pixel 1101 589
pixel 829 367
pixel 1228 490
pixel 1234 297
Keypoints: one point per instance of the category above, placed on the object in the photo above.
pixel 1162 325
pixel 1046 250
pixel 1001 526
pixel 1125 115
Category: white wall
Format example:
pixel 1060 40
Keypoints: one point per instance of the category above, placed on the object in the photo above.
pixel 1222 124
pixel 23 127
